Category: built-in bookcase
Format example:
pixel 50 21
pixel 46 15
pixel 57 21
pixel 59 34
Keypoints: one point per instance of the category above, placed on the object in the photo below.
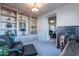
pixel 8 20
pixel 17 22
pixel 23 24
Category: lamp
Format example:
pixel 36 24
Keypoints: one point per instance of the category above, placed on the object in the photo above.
pixel 35 8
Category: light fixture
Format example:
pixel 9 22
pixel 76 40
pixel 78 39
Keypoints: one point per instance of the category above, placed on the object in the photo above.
pixel 52 21
pixel 35 8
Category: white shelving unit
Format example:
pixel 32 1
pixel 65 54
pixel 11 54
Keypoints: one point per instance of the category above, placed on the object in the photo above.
pixel 23 20
pixel 8 20
pixel 10 16
pixel 33 25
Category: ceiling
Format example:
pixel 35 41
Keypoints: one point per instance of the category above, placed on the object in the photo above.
pixel 43 7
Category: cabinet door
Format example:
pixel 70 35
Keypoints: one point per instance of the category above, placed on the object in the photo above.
pixel 33 26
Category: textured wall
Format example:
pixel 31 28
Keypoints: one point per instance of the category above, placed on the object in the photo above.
pixel 67 31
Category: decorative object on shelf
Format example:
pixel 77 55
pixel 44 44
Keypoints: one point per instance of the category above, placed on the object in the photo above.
pixel 9 25
pixel 9 32
pixel 33 27
pixel 20 17
pixel 33 32
pixel 8 12
pixel 9 19
pixel 22 27
pixel 35 8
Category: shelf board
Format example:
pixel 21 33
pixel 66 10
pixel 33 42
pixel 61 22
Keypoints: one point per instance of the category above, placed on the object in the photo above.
pixel 9 15
pixel 20 20
pixel 8 22
pixel 7 29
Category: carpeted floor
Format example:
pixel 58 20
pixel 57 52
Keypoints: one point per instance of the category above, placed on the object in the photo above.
pixel 45 48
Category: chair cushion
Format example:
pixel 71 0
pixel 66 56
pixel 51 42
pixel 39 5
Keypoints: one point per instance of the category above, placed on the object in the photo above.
pixel 2 42
pixel 6 39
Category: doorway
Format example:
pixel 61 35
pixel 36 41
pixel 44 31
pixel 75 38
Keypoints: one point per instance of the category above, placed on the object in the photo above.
pixel 52 29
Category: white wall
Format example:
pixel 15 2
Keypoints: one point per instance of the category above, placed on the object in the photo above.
pixel 68 15
pixel 43 28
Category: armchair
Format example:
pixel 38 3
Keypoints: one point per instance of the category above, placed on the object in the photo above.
pixel 14 47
